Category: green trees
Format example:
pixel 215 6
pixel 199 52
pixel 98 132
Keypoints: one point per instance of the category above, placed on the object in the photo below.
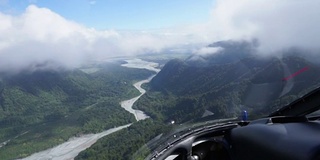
pixel 182 90
pixel 125 143
pixel 49 107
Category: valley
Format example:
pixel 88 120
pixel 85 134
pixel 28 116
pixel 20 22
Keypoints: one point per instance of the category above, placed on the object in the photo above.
pixel 71 148
pixel 134 101
pixel 94 106
pixel 211 87
pixel 127 104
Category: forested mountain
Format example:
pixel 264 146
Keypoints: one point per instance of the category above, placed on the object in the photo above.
pixel 44 108
pixel 233 79
pixel 212 86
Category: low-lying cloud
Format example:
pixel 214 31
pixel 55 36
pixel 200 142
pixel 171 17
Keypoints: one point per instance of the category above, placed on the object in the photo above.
pixel 42 39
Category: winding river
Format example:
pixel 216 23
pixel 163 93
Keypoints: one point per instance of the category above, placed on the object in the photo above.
pixel 127 104
pixel 70 149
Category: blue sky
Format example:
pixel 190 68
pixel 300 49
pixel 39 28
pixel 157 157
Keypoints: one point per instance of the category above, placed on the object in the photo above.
pixel 121 14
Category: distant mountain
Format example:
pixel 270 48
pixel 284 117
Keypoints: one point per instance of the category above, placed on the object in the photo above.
pixel 226 52
pixel 229 81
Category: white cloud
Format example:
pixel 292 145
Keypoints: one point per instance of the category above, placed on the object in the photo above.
pixel 276 24
pixel 208 50
pixel 40 38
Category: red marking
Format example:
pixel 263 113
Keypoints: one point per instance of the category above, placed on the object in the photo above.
pixel 295 74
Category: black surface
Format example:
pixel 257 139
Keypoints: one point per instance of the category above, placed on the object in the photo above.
pixel 292 141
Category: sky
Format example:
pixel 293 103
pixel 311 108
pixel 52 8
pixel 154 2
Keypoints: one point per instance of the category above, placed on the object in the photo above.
pixel 121 14
pixel 55 34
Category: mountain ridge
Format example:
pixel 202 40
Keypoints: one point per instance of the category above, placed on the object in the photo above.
pixel 249 82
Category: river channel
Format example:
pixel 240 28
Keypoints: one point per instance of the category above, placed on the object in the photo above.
pixel 70 149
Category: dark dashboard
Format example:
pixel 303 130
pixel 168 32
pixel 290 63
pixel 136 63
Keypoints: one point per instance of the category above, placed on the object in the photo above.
pixel 277 138
pixel 291 133
pixel 294 138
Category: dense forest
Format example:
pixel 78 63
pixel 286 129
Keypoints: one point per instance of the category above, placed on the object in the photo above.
pixel 41 109
pixel 44 108
pixel 207 87
pixel 126 143
pixel 187 89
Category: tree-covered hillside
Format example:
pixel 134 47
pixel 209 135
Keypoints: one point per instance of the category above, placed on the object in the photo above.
pixel 126 143
pixel 213 86
pixel 44 108
pixel 186 89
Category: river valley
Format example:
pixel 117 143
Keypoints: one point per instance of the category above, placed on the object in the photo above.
pixel 71 148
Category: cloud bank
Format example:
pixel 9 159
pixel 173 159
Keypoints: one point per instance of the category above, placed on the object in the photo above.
pixel 42 39
pixel 276 24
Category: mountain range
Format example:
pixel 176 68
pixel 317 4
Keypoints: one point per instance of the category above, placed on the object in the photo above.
pixel 204 87
pixel 233 79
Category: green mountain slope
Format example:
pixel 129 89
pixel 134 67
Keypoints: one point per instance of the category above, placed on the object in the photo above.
pixel 184 91
pixel 41 109
pixel 219 85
